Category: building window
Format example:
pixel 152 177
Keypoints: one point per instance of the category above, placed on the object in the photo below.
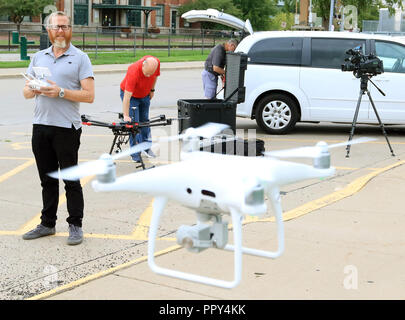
pixel 109 2
pixel 81 12
pixel 160 15
pixel 134 16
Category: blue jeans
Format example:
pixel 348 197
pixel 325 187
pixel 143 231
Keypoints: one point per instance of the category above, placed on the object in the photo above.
pixel 139 112
pixel 210 83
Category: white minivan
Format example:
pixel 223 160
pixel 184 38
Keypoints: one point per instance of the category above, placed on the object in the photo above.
pixel 295 76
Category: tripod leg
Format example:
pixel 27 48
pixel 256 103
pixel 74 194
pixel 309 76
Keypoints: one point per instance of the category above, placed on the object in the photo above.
pixel 356 114
pixel 381 124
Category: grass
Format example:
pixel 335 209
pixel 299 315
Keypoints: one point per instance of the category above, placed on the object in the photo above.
pixel 126 57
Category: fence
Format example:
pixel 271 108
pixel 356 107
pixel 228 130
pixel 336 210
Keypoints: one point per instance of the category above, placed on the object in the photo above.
pixel 129 38
pixel 375 27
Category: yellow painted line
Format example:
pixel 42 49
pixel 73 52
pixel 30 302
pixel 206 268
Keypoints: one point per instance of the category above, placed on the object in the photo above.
pixel 21 145
pixel 8 233
pixel 16 170
pixel 84 280
pixel 142 226
pixel 351 189
pixel 36 220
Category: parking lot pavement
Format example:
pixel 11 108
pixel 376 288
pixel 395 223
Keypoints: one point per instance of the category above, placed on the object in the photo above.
pixel 344 236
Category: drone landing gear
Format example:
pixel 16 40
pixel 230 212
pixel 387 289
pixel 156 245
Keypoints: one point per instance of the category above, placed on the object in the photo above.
pixel 237 216
pixel 158 206
pixel 276 203
pixel 122 139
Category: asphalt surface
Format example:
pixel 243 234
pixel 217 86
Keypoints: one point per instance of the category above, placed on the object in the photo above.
pixel 344 235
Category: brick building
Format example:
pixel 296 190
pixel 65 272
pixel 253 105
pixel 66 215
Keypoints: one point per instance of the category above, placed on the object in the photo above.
pixel 162 14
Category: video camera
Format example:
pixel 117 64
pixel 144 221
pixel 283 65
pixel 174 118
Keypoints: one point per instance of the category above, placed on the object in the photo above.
pixel 362 64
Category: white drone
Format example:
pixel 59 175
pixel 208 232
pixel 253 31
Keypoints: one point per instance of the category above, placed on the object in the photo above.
pixel 35 83
pixel 214 185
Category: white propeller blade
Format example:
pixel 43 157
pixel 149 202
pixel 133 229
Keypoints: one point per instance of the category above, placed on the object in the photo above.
pixel 98 167
pixel 135 149
pixel 207 130
pixel 314 151
pixel 80 171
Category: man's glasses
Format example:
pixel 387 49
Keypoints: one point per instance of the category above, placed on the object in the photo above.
pixel 64 27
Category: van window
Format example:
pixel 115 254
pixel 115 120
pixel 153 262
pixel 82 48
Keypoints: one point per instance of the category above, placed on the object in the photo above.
pixel 392 55
pixel 331 53
pixel 285 51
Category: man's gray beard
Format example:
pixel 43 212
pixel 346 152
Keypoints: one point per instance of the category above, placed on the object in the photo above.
pixel 60 44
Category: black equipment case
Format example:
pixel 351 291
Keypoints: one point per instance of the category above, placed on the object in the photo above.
pixel 196 112
pixel 229 145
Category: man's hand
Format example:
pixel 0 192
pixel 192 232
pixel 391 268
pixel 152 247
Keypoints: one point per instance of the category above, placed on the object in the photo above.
pixel 151 94
pixel 28 92
pixel 127 118
pixel 52 91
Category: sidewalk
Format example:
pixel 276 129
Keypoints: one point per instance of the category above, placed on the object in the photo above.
pixel 106 68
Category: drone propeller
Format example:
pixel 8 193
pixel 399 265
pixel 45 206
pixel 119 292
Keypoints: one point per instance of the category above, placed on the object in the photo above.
pixel 98 167
pixel 315 151
pixel 207 130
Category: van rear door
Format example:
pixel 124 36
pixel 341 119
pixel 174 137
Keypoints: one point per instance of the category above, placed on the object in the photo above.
pixel 213 15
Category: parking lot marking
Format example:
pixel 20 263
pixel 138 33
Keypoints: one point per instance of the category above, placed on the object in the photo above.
pixel 351 189
pixel 16 170
pixel 142 226
pixel 21 145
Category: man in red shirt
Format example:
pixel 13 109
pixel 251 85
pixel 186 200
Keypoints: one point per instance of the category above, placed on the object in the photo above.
pixel 136 91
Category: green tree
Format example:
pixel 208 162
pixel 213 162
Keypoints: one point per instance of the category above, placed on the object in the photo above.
pixel 18 9
pixel 290 6
pixel 257 11
pixel 367 9
pixel 282 21
pixel 226 6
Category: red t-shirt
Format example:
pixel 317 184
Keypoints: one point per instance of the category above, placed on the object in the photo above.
pixel 136 82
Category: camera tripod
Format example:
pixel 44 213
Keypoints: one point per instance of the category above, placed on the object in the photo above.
pixel 364 78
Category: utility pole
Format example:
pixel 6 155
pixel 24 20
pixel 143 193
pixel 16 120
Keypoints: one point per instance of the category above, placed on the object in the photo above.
pixel 332 7
pixel 304 4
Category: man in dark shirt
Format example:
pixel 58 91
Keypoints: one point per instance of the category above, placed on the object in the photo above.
pixel 214 66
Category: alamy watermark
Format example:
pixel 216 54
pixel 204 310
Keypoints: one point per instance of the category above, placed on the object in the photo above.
pixel 50 281
pixel 351 280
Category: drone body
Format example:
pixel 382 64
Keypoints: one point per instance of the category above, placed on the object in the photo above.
pixel 222 180
pixel 215 186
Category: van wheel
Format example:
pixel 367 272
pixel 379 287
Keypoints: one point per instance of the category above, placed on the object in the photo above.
pixel 276 113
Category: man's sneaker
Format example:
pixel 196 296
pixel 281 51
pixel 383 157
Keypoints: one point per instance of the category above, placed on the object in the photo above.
pixel 38 232
pixel 75 235
pixel 149 153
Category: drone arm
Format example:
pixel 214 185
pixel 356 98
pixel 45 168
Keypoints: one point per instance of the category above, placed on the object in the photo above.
pixel 158 206
pixel 274 195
